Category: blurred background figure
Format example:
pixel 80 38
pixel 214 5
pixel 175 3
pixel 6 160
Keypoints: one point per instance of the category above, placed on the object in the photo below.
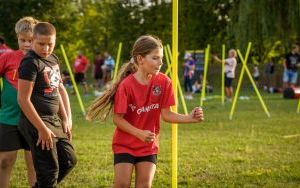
pixel 98 72
pixel 188 73
pixel 255 75
pixel 81 65
pixel 290 65
pixel 108 67
pixel 3 47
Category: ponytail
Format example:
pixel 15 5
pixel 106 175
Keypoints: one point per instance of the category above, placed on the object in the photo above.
pixel 101 108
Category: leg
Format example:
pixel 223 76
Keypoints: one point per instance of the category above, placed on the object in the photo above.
pixel 66 158
pixel 30 168
pixel 227 92
pixel 7 160
pixel 144 172
pixel 45 161
pixel 123 173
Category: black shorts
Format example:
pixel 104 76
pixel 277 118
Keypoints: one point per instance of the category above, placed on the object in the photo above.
pixel 127 158
pixel 79 78
pixel 11 139
pixel 228 81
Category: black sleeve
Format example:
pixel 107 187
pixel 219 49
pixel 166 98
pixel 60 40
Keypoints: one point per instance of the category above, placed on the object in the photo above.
pixel 28 69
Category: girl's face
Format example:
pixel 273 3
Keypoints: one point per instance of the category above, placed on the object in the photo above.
pixel 152 62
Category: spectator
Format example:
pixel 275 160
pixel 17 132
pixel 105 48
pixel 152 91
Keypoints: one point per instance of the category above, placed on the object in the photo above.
pixel 81 65
pixel 108 67
pixel 291 64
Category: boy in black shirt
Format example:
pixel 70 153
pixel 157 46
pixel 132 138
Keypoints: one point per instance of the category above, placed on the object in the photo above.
pixel 46 118
pixel 291 64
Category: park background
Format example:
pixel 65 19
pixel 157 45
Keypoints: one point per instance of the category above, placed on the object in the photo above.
pixel 251 150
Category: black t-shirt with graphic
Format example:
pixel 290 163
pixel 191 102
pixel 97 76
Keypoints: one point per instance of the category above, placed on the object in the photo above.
pixel 292 60
pixel 45 74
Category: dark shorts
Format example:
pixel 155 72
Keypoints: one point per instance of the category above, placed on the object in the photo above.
pixel 11 139
pixel 79 78
pixel 228 81
pixel 127 158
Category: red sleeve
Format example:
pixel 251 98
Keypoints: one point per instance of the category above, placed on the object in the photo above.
pixel 168 96
pixel 3 60
pixel 121 100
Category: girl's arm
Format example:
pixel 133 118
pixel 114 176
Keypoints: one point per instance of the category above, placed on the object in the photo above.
pixel 195 116
pixel 124 125
pixel 24 93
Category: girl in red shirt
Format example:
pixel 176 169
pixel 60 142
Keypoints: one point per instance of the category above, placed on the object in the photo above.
pixel 138 98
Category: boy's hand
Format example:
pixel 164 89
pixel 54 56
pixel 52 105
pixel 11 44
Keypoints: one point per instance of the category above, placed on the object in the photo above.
pixel 67 129
pixel 146 136
pixel 45 138
pixel 197 114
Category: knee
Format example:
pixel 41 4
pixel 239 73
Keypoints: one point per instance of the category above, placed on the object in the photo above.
pixel 143 184
pixel 7 163
pixel 122 184
pixel 72 162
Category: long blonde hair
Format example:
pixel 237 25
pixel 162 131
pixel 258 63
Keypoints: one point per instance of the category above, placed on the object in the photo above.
pixel 102 106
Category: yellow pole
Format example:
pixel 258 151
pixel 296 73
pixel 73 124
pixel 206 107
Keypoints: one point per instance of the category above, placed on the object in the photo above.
pixel 117 62
pixel 204 74
pixel 239 82
pixel 1 84
pixel 174 80
pixel 167 55
pixel 254 85
pixel 223 75
pixel 72 79
pixel 298 108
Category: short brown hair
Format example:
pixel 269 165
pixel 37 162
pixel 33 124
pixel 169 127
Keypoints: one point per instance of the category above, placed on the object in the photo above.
pixel 25 24
pixel 44 28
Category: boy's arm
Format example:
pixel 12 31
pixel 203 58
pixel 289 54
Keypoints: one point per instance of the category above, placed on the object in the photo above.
pixel 172 117
pixel 24 93
pixel 65 104
pixel 124 125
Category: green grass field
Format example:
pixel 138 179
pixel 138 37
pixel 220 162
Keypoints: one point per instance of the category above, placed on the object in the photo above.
pixel 249 151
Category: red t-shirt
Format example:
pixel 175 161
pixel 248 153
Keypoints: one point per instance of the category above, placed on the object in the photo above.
pixel 4 49
pixel 81 62
pixel 141 106
pixel 9 64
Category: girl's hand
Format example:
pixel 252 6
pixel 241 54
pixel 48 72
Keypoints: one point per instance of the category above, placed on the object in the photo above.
pixel 197 114
pixel 67 129
pixel 146 136
pixel 45 138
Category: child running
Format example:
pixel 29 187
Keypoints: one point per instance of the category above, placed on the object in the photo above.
pixel 138 98
pixel 46 121
pixel 11 139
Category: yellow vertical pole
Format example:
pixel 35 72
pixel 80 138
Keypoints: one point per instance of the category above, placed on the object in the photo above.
pixel 174 80
pixel 1 84
pixel 73 79
pixel 239 82
pixel 298 108
pixel 223 75
pixel 117 62
pixel 168 54
pixel 206 58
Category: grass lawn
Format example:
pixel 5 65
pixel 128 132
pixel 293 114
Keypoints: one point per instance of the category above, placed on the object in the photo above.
pixel 248 151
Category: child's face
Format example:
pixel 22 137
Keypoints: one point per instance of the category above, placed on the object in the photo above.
pixel 43 45
pixel 25 41
pixel 152 62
